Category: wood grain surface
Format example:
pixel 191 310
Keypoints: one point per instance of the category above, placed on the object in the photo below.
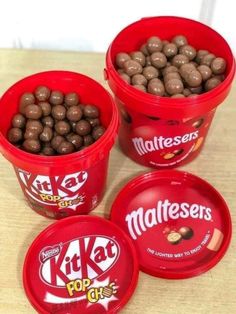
pixel 211 293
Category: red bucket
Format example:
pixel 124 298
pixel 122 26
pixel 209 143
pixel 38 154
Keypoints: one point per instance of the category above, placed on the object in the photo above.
pixel 158 131
pixel 66 185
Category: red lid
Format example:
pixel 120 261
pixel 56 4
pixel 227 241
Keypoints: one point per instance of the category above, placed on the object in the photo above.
pixel 80 264
pixel 179 223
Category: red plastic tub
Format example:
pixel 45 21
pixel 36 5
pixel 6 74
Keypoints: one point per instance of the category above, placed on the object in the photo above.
pixel 165 132
pixel 66 185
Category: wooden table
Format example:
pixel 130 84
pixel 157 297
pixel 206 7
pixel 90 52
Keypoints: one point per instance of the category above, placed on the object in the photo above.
pixel 213 292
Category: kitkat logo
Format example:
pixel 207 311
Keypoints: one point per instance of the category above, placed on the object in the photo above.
pixel 85 257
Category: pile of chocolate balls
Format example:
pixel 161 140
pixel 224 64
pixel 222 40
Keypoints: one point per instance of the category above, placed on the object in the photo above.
pixel 172 69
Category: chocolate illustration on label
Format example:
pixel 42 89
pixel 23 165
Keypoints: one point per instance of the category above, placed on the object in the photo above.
pixel 140 220
pixel 160 142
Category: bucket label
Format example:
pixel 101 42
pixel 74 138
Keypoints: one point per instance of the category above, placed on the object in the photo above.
pixel 59 191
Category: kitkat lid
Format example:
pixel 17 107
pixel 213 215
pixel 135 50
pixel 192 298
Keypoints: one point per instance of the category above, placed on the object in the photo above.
pixel 81 264
pixel 179 223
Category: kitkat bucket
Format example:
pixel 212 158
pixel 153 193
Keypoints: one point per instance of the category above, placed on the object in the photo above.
pixel 59 186
pixel 163 132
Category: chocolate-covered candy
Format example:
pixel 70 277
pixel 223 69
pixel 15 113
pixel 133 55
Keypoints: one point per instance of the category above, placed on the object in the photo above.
pixel 178 96
pixel 62 127
pixel 140 87
pixel 170 50
pixel 207 59
pixel 48 121
pixel 31 135
pixel 154 44
pixel 46 108
pixel 192 95
pixel 156 87
pixel 91 111
pixel 169 69
pixel 97 132
pixel 211 83
pixel 171 75
pixel 179 40
pixel 174 86
pixel 194 78
pixel 15 135
pixel 46 135
pixel 58 112
pixel 121 57
pixel 83 127
pixel 205 71
pixel 186 232
pixel 47 150
pixel 74 113
pixel 158 60
pixel 18 121
pixel 56 141
pixel 218 65
pixel 132 67
pixel 200 54
pixel 185 69
pixel 186 92
pixel 71 99
pixel 31 146
pixel 179 60
pixel 56 97
pixel 196 90
pixel 139 57
pixel 88 140
pixel 125 77
pixel 139 79
pixel 35 126
pixel 174 237
pixel 189 51
pixel 65 147
pixel 150 72
pixel 33 112
pixel 75 139
pixel 148 61
pixel 144 50
pixel 25 100
pixel 42 93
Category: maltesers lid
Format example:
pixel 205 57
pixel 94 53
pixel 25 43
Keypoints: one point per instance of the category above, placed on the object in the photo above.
pixel 179 223
pixel 81 264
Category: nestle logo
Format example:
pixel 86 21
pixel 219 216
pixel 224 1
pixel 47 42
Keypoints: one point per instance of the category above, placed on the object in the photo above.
pixel 49 252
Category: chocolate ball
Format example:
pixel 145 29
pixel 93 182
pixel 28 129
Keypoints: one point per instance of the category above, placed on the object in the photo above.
pixel 15 135
pixel 189 51
pixel 83 127
pixel 148 61
pixel 186 92
pixel 65 148
pixel 158 60
pixel 156 87
pixel 196 90
pixel 58 112
pixel 46 108
pixel 46 135
pixel 174 86
pixel 186 233
pixel 200 54
pixel 207 59
pixel 179 40
pixel 48 121
pixel 33 112
pixel 194 78
pixel 170 50
pixel 93 122
pixel 132 67
pixel 88 140
pixel 205 71
pixel 125 77
pixel 42 93
pixel 218 65
pixel 121 57
pixel 169 69
pixel 18 121
pixel 144 50
pixel 75 139
pixel 179 60
pixel 192 95
pixel 154 44
pixel 56 141
pixel 171 75
pixel 62 127
pixel 178 96
pixel 139 57
pixel 25 100
pixel 56 97
pixel 139 79
pixel 74 113
pixel 174 237
pixel 140 87
pixel 47 150
pixel 211 83
pixel 97 132
pixel 150 72
pixel 31 135
pixel 34 126
pixel 32 146
pixel 91 111
pixel 185 69
pixel 71 99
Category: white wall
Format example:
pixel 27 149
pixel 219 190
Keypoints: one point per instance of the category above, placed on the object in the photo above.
pixel 91 25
